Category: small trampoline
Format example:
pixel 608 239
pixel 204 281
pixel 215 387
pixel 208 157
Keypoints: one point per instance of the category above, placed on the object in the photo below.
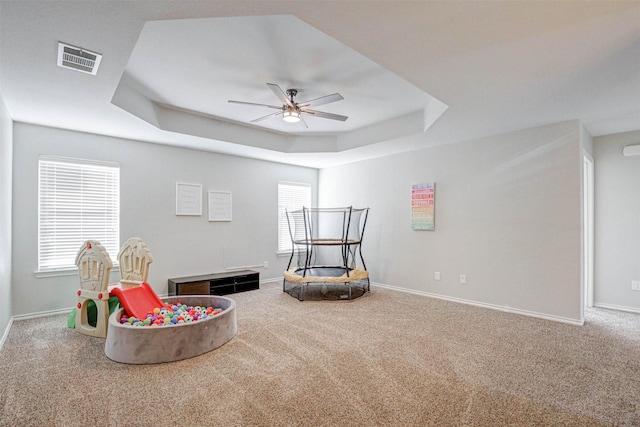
pixel 327 243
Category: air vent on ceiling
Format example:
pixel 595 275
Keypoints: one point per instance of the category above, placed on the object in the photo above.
pixel 77 58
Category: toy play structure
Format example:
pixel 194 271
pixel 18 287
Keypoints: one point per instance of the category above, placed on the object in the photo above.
pixel 134 259
pixel 327 243
pixel 95 297
pixel 94 266
pixel 141 345
pixel 138 301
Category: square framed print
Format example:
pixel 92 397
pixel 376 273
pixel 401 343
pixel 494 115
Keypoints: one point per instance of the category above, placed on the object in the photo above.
pixel 188 199
pixel 219 206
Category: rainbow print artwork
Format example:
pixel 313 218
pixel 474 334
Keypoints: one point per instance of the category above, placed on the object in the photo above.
pixel 423 208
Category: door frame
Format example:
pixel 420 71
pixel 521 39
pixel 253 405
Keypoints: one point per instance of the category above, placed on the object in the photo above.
pixel 588 230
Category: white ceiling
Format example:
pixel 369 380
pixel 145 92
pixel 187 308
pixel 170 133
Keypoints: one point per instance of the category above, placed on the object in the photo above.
pixel 169 68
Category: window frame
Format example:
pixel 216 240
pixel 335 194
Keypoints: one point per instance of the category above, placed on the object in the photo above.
pixel 110 181
pixel 283 226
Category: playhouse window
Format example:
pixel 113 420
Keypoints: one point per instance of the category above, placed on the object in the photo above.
pixel 78 200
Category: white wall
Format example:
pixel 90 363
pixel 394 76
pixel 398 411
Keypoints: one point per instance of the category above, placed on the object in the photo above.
pixel 508 215
pixel 180 245
pixel 617 222
pixel 6 147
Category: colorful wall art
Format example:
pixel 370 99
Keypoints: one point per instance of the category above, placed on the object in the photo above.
pixel 423 207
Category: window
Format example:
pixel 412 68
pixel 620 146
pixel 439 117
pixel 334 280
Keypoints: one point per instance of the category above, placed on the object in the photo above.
pixel 77 201
pixel 291 196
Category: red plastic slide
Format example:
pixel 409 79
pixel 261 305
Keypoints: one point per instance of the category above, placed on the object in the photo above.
pixel 138 301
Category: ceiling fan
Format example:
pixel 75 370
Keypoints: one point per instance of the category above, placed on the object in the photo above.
pixel 291 111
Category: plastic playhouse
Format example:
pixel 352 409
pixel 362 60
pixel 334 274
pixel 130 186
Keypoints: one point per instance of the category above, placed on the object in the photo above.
pixel 145 329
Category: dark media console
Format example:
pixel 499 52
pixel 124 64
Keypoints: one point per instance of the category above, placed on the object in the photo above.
pixel 215 284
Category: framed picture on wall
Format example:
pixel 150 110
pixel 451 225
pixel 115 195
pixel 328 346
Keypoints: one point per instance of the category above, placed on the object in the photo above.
pixel 219 206
pixel 188 199
pixel 423 208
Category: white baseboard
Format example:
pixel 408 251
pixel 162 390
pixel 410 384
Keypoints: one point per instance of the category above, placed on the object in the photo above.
pixel 6 333
pixel 380 285
pixel 67 310
pixel 560 319
pixel 617 307
pixel 42 314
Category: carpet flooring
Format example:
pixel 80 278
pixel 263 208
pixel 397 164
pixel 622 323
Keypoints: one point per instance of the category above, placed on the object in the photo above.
pixel 386 359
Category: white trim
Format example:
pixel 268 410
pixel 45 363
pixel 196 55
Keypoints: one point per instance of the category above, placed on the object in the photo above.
pixel 6 333
pixel 485 305
pixel 55 273
pixel 42 314
pixel 70 271
pixel 78 160
pixel 273 280
pixel 295 183
pixel 617 307
pixel 588 230
pixel 243 267
pixel 68 310
pixel 631 150
pixel 379 285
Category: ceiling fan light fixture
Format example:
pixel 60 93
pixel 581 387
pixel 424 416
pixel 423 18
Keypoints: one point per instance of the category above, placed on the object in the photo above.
pixel 291 116
pixel 291 111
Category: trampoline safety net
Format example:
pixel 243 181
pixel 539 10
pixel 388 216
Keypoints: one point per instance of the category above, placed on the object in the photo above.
pixel 327 250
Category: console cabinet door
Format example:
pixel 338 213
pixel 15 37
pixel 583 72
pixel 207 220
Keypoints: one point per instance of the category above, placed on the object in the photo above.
pixel 194 288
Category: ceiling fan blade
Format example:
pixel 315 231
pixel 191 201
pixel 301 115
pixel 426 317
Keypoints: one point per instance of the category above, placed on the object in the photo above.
pixel 321 101
pixel 253 103
pixel 280 94
pixel 325 115
pixel 259 119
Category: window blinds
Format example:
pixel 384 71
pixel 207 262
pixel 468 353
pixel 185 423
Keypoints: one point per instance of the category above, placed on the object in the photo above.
pixel 77 201
pixel 291 196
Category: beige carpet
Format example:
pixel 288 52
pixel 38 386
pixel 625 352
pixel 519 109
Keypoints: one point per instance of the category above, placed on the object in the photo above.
pixel 388 358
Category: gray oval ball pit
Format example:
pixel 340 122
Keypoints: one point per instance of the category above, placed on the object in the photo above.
pixel 145 345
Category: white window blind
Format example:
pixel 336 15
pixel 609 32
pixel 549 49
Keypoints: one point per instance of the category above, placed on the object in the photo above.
pixel 291 196
pixel 77 201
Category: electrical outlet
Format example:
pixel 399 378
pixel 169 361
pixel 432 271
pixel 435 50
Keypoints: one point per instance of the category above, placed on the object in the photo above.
pixel 266 264
pixel 436 276
pixel 463 279
pixel 635 285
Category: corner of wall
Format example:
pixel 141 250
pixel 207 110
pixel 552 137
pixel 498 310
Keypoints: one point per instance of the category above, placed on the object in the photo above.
pixel 6 183
pixel 586 140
